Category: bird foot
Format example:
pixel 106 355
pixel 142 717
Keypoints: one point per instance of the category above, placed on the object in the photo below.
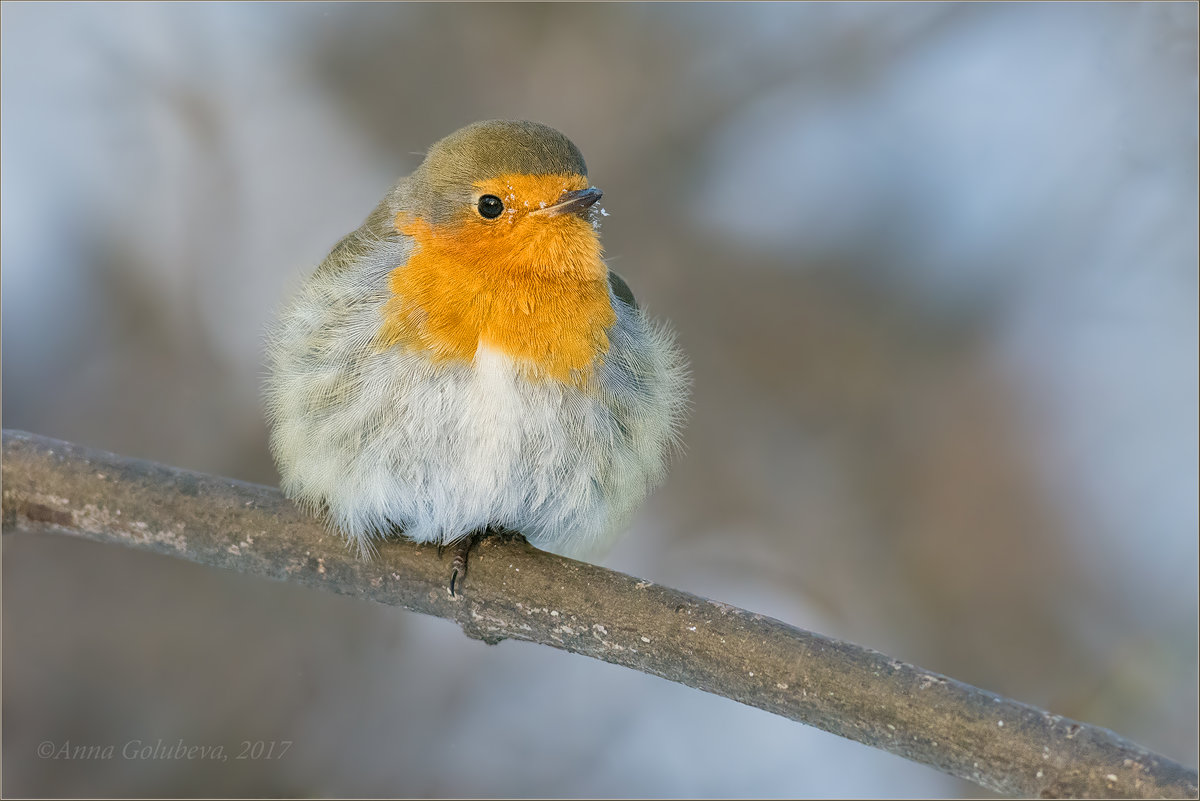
pixel 462 550
pixel 458 565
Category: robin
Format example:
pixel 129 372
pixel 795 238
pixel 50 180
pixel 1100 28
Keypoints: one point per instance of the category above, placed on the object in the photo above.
pixel 465 363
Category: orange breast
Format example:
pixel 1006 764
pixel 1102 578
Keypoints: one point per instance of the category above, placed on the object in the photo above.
pixel 533 287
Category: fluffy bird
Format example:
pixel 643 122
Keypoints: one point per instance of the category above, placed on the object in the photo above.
pixel 465 362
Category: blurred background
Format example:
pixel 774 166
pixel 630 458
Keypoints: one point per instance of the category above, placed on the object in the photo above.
pixel 935 267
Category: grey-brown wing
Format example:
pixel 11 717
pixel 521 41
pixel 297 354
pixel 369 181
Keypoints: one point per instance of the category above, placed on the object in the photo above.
pixel 621 289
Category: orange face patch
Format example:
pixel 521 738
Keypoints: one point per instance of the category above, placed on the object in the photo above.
pixel 531 285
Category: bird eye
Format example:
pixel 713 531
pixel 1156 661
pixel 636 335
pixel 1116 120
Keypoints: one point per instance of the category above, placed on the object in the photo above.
pixel 490 206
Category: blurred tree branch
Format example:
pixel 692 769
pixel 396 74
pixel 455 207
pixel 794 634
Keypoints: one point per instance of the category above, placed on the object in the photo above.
pixel 515 591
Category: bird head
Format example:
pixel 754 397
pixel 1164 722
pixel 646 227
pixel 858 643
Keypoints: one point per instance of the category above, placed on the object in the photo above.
pixel 506 253
pixel 510 196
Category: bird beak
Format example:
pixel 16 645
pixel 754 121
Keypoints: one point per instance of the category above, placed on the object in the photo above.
pixel 572 202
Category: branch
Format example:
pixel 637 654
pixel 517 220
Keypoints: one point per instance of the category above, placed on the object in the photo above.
pixel 515 591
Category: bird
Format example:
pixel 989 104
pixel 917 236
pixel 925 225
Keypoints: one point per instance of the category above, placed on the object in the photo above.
pixel 465 364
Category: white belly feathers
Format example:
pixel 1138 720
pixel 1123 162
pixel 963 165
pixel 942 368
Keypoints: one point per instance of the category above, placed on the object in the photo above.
pixel 389 443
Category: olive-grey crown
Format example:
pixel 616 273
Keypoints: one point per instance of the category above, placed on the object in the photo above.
pixel 483 150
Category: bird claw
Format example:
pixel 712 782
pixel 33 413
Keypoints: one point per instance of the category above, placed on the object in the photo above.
pixel 462 550
pixel 458 565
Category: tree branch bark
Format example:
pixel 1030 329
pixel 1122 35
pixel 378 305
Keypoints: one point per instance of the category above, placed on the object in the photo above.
pixel 515 591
